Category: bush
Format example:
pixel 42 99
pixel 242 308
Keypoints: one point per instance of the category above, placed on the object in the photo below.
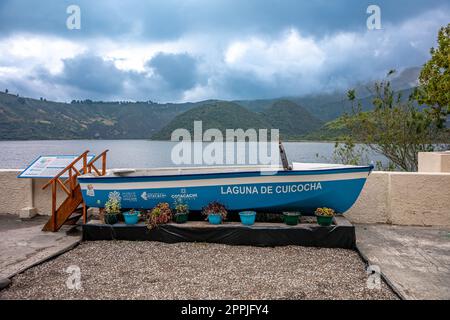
pixel 215 208
pixel 161 214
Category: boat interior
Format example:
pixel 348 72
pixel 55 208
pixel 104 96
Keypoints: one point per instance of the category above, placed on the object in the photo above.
pixel 130 172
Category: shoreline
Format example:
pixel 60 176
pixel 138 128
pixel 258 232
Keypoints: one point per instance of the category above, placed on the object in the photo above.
pixel 150 140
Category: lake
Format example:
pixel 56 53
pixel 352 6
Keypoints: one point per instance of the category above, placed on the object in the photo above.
pixel 138 153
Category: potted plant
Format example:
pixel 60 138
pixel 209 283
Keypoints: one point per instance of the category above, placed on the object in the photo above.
pixel 131 217
pixel 112 208
pixel 181 211
pixel 291 218
pixel 215 212
pixel 161 214
pixel 324 216
pixel 247 217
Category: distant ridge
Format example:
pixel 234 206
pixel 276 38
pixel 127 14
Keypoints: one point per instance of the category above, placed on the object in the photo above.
pixel 292 120
pixel 305 117
pixel 27 119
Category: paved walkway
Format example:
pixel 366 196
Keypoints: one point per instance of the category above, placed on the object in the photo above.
pixel 23 244
pixel 415 260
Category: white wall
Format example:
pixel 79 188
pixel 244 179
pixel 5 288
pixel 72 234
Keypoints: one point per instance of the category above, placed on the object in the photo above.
pixel 404 198
pixel 434 161
pixel 17 194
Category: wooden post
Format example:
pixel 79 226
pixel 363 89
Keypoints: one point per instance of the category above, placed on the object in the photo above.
pixel 104 164
pixel 85 163
pixel 54 206
pixel 71 182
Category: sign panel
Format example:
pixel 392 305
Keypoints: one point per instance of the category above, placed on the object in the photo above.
pixel 49 166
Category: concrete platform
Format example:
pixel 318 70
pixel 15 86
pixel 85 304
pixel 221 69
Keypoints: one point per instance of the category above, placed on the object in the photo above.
pixel 23 244
pixel 414 260
pixel 339 235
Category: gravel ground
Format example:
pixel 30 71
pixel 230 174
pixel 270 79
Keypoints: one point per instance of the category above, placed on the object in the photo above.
pixel 152 270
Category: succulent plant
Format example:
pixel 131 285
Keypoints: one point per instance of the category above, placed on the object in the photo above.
pixel 113 205
pixel 325 212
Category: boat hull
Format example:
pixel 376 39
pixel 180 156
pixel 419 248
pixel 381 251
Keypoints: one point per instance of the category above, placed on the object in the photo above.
pixel 302 191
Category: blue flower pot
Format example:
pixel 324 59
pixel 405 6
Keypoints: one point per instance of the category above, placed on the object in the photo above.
pixel 131 217
pixel 247 217
pixel 215 218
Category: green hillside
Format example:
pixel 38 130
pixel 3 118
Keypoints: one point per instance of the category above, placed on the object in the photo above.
pixel 328 106
pixel 292 120
pixel 305 117
pixel 26 119
pixel 221 115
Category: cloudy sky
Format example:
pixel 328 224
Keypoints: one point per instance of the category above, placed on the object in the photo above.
pixel 190 50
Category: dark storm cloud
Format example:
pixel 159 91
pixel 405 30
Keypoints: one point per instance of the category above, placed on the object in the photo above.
pixel 90 76
pixel 93 74
pixel 179 71
pixel 177 50
pixel 171 19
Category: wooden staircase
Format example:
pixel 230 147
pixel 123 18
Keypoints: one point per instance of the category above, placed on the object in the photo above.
pixel 66 212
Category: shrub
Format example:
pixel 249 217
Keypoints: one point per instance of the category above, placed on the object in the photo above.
pixel 324 212
pixel 181 207
pixel 215 208
pixel 113 205
pixel 161 214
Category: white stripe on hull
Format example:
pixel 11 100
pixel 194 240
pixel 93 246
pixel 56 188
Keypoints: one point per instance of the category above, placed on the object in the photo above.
pixel 224 181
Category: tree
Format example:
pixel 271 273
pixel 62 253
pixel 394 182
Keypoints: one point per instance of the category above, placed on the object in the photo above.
pixel 395 128
pixel 434 79
pixel 6 91
pixel 347 152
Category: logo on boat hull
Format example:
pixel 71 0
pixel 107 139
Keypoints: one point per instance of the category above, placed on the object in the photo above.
pixel 153 195
pixel 90 190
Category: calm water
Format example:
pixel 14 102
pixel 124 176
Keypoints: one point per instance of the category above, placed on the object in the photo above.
pixel 136 153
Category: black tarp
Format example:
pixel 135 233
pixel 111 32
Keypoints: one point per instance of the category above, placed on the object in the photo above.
pixel 311 235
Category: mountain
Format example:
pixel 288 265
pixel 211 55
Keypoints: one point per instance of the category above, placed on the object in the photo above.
pixel 26 119
pixel 220 114
pixel 330 105
pixel 406 79
pixel 292 120
pixel 296 117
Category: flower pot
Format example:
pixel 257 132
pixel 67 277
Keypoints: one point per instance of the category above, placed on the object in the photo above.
pixel 324 220
pixel 291 218
pixel 247 217
pixel 111 218
pixel 215 218
pixel 181 217
pixel 131 217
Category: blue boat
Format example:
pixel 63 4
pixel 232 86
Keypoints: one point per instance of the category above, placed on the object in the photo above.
pixel 303 187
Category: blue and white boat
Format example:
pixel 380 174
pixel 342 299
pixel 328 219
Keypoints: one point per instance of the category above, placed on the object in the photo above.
pixel 303 188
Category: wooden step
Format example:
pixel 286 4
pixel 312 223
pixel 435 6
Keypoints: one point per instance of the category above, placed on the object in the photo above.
pixel 73 219
pixel 65 210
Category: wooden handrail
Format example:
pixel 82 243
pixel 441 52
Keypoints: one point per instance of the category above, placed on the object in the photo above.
pixel 98 157
pixel 71 165
pixel 71 187
pixel 69 192
pixel 91 163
